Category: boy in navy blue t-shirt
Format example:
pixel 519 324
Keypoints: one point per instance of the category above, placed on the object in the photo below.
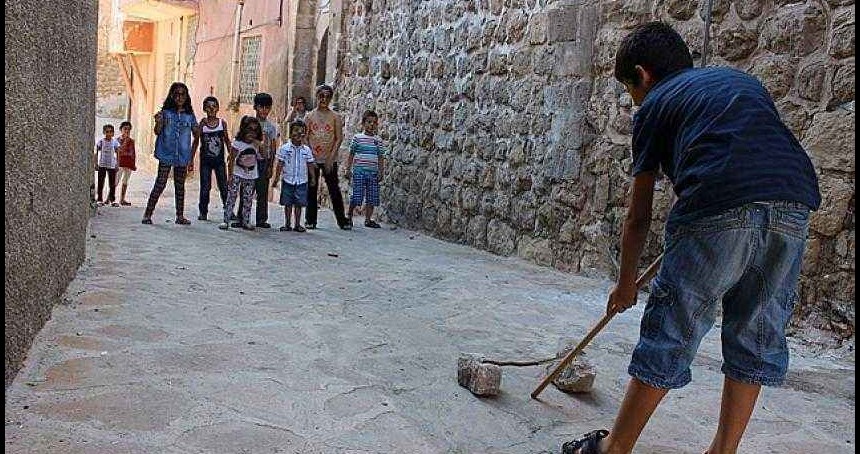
pixel 734 237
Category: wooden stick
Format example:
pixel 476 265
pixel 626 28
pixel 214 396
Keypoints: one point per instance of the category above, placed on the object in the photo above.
pixel 643 279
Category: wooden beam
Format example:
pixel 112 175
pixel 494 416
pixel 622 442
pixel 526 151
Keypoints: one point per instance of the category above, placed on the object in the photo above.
pixel 126 77
pixel 137 74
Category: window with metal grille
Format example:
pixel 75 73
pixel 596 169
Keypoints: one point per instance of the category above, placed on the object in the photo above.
pixel 249 71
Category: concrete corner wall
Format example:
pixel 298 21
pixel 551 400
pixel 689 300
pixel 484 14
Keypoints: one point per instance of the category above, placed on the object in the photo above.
pixel 50 110
pixel 509 133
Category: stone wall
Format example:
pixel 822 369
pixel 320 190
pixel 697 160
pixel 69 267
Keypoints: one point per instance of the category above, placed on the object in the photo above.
pixel 48 170
pixel 509 133
pixel 111 93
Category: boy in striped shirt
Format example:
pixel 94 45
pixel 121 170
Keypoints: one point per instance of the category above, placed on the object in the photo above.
pixel 366 164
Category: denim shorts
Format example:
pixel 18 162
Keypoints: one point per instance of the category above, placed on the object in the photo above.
pixel 294 194
pixel 747 259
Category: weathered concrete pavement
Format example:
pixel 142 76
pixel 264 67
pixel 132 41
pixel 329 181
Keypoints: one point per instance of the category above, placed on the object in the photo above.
pixel 187 339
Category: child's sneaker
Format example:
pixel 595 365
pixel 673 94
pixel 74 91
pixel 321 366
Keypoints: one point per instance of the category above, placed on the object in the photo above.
pixel 371 224
pixel 202 217
pixel 223 226
pixel 124 203
pixel 287 228
pixel 300 229
pixel 114 204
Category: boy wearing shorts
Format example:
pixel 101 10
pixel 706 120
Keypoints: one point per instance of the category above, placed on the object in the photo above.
pixel 734 238
pixel 296 163
pixel 366 161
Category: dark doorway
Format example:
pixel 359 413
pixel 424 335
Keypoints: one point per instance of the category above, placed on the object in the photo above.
pixel 322 53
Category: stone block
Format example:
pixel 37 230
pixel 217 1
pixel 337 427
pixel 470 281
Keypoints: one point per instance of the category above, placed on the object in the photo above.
pixel 736 42
pixel 681 9
pixel 830 140
pixel 562 24
pixel 479 378
pixel 776 72
pixel 578 376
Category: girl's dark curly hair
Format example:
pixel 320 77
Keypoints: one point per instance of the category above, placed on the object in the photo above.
pixel 244 127
pixel 170 103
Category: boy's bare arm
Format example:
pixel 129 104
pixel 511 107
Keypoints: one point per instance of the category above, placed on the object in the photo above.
pixel 195 132
pixel 338 139
pixel 227 142
pixel 278 171
pixel 348 165
pixel 311 178
pixel 231 160
pixel 633 236
pixel 159 122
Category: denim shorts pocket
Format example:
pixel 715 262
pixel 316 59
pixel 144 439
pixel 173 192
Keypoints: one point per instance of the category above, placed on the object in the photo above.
pixel 660 302
pixel 793 221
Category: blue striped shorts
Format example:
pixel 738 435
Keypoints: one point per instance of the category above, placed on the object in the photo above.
pixel 365 187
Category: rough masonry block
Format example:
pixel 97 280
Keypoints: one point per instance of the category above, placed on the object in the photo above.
pixel 479 378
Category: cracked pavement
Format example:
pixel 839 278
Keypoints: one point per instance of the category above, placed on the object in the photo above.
pixel 188 339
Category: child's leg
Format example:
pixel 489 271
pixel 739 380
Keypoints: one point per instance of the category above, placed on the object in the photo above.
pixel 297 213
pixel 287 215
pixel 248 193
pixel 101 180
pixel 357 192
pixel 205 186
pixel 372 196
pixel 311 213
pixel 112 185
pixel 221 180
pixel 232 194
pixel 157 189
pixel 124 173
pixel 179 174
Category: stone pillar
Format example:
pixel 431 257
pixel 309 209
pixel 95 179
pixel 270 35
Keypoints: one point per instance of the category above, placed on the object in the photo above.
pixel 303 61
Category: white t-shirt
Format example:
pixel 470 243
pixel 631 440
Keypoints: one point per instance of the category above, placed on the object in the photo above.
pixel 238 170
pixel 295 159
pixel 107 153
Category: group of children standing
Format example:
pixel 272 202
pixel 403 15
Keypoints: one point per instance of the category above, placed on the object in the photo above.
pixel 244 166
pixel 114 156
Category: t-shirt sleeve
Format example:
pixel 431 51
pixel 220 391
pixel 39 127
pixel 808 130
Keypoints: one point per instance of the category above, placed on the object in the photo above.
pixel 352 146
pixel 648 143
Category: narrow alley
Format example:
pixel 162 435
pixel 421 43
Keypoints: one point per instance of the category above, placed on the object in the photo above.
pixel 188 339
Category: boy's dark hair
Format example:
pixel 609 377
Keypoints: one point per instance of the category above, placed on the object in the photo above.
pixel 262 100
pixel 247 120
pixel 170 103
pixel 211 99
pixel 107 127
pixel 124 124
pixel 297 124
pixel 654 46
pixel 325 87
pixel 368 114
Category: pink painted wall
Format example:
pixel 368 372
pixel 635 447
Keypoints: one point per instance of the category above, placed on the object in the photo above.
pixel 215 47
